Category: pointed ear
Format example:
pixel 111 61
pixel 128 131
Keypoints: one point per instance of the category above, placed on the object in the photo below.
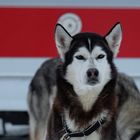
pixel 114 38
pixel 63 40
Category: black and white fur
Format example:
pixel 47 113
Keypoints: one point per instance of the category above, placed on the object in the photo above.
pixel 86 82
pixel 71 89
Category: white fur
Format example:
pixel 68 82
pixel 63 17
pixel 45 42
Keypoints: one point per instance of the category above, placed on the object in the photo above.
pixel 52 96
pixel 76 74
pixel 37 129
pixel 89 43
pixel 63 40
pixel 114 39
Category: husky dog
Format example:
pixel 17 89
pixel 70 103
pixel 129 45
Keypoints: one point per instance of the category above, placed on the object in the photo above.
pixel 81 95
pixel 85 103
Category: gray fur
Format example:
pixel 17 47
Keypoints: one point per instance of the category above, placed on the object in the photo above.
pixel 128 121
pixel 40 93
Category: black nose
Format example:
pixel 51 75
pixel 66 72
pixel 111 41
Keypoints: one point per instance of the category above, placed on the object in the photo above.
pixel 92 73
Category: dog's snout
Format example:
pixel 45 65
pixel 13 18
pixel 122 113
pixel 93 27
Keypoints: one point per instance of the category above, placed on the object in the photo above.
pixel 92 73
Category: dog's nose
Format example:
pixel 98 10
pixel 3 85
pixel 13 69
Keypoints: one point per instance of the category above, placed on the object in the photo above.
pixel 92 73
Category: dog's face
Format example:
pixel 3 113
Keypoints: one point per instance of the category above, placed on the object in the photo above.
pixel 88 57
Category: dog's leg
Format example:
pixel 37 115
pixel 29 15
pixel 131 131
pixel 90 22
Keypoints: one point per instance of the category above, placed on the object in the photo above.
pixel 32 124
pixel 41 131
pixel 38 130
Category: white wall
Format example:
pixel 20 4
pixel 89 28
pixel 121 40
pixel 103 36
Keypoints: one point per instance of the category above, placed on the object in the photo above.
pixel 15 76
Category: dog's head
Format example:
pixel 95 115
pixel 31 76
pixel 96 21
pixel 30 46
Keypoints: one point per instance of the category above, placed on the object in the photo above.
pixel 87 57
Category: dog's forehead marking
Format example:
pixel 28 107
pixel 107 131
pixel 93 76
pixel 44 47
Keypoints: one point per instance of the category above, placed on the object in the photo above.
pixel 89 43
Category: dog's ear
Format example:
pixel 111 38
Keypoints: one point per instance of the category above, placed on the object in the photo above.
pixel 114 38
pixel 63 40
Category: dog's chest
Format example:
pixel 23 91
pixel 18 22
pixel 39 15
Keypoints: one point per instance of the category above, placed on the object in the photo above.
pixel 93 136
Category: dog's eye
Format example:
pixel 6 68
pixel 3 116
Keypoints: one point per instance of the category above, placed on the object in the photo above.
pixel 80 57
pixel 100 56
